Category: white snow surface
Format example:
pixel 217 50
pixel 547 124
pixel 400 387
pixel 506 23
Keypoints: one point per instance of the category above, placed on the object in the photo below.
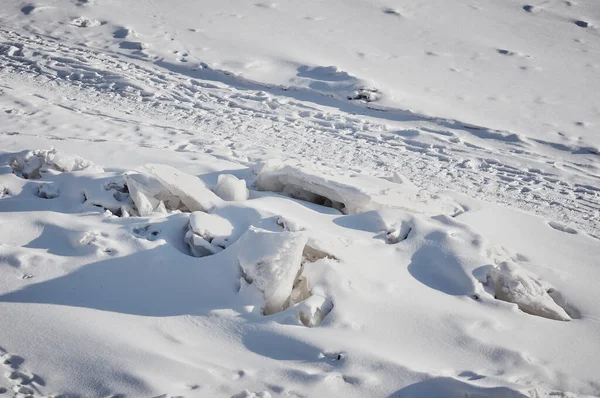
pixel 299 199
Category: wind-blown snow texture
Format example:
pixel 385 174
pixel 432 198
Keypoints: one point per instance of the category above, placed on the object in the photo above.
pixel 305 199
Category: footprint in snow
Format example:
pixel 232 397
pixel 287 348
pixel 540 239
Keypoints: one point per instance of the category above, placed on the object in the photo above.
pixel 27 9
pixel 121 33
pixel 505 52
pixel 392 11
pixel 582 24
pixel 23 381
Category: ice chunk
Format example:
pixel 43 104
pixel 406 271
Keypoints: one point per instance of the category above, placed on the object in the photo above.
pixel 229 187
pixel 349 193
pixel 33 163
pixel 267 177
pixel 190 189
pixel 144 201
pixel 514 285
pixel 313 310
pixel 207 234
pixel 271 261
pixel 147 192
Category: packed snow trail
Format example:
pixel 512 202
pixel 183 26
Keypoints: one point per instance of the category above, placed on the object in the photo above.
pixel 162 105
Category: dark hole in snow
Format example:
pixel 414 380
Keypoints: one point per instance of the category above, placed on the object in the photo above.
pixel 131 45
pixel 121 33
pixel 27 9
pixel 505 52
pixel 582 24
pixel 528 8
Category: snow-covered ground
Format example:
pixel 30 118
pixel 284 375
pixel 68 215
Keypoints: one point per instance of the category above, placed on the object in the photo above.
pixel 310 199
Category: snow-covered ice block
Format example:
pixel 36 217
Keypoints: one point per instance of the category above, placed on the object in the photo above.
pixel 144 201
pixel 33 163
pixel 149 195
pixel 207 234
pixel 190 189
pixel 229 187
pixel 271 261
pixel 48 191
pixel 350 194
pixel 513 284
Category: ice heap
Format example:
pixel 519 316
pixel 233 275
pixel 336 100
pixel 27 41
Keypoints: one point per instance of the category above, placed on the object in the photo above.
pixel 281 257
pixel 33 163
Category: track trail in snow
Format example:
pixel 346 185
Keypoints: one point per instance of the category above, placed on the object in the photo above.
pixel 153 103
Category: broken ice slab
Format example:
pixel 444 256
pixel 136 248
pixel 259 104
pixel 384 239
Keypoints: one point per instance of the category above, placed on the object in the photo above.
pixel 350 193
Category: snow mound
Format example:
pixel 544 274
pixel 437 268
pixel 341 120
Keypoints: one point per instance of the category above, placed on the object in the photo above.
pixel 332 81
pixel 271 261
pixel 230 188
pixel 32 164
pixel 349 194
pixel 513 284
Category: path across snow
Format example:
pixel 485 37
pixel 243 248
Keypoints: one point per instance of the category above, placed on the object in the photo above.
pixel 170 107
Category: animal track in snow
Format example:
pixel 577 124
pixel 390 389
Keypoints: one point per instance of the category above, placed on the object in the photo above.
pixel 20 381
pixel 302 130
pixel 582 24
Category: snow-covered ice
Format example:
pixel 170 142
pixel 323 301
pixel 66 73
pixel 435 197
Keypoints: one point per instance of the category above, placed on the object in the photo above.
pixel 299 199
